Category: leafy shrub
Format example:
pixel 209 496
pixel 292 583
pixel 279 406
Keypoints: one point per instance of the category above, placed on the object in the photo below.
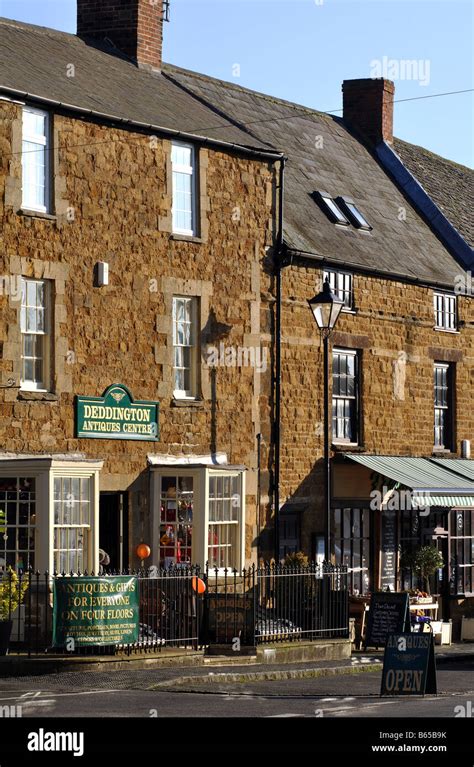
pixel 12 593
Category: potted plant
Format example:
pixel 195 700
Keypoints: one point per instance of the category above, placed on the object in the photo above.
pixel 424 561
pixel 296 559
pixel 12 593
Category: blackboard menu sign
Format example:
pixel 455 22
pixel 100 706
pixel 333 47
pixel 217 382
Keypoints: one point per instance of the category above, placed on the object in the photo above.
pixel 388 614
pixel 409 666
pixel 389 551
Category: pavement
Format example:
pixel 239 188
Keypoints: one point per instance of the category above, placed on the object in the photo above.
pixel 204 693
pixel 142 678
pixel 187 671
pixel 174 663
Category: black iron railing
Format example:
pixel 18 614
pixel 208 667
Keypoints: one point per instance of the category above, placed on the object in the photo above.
pixel 276 603
pixel 185 607
pixel 170 611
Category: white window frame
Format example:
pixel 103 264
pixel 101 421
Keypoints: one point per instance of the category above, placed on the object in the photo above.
pixel 354 398
pixel 222 525
pixel 339 282
pixel 201 521
pixel 44 384
pixel 44 470
pixel 41 141
pixel 65 503
pixel 192 392
pixel 13 529
pixel 443 304
pixel 187 170
pixel 446 409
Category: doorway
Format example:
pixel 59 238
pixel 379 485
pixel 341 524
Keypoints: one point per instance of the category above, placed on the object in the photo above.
pixel 113 529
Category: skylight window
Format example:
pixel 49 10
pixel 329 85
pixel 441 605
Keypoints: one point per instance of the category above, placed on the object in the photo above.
pixel 331 209
pixel 354 215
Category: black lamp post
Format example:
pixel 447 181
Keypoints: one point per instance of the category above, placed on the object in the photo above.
pixel 326 308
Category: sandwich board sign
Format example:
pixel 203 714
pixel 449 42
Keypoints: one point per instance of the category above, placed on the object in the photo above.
pixel 409 666
pixel 388 614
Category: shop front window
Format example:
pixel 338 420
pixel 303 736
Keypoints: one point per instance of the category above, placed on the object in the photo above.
pixel 201 517
pixel 410 537
pixel 351 545
pixel 176 518
pixel 224 515
pixel 462 551
pixel 17 535
pixel 72 524
pixel 417 531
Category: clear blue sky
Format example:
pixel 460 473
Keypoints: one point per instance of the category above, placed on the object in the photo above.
pixel 302 50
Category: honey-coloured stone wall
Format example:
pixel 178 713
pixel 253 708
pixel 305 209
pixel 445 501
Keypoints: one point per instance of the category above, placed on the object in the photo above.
pixel 112 203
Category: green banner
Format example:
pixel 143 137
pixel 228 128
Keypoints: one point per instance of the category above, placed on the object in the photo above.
pixel 95 610
pixel 116 415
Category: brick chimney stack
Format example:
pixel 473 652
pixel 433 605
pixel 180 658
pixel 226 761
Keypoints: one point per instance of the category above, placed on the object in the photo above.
pixel 368 108
pixel 135 27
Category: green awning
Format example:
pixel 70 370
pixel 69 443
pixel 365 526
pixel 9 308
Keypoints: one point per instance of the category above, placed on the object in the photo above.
pixel 430 483
pixel 462 466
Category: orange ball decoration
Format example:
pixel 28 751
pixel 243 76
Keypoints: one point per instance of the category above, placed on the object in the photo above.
pixel 143 551
pixel 198 585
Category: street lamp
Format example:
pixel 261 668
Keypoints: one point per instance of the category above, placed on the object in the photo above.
pixel 326 308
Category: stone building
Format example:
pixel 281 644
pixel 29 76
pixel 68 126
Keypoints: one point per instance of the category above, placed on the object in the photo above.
pixel 240 403
pixel 402 350
pixel 134 220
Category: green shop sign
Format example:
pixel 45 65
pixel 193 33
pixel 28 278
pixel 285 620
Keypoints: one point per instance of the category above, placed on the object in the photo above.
pixel 95 610
pixel 116 415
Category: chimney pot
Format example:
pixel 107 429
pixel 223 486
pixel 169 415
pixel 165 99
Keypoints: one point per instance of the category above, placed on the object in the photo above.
pixel 465 448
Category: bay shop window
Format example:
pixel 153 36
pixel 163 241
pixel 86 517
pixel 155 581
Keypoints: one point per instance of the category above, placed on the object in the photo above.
pixel 51 514
pixel 198 516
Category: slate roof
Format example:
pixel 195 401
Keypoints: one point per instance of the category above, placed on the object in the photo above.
pixel 450 185
pixel 324 155
pixel 34 60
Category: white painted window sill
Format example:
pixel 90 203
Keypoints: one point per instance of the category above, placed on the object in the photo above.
pixel 33 213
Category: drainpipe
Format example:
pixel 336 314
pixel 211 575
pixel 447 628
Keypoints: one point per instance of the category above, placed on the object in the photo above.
pixel 278 266
pixel 259 493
